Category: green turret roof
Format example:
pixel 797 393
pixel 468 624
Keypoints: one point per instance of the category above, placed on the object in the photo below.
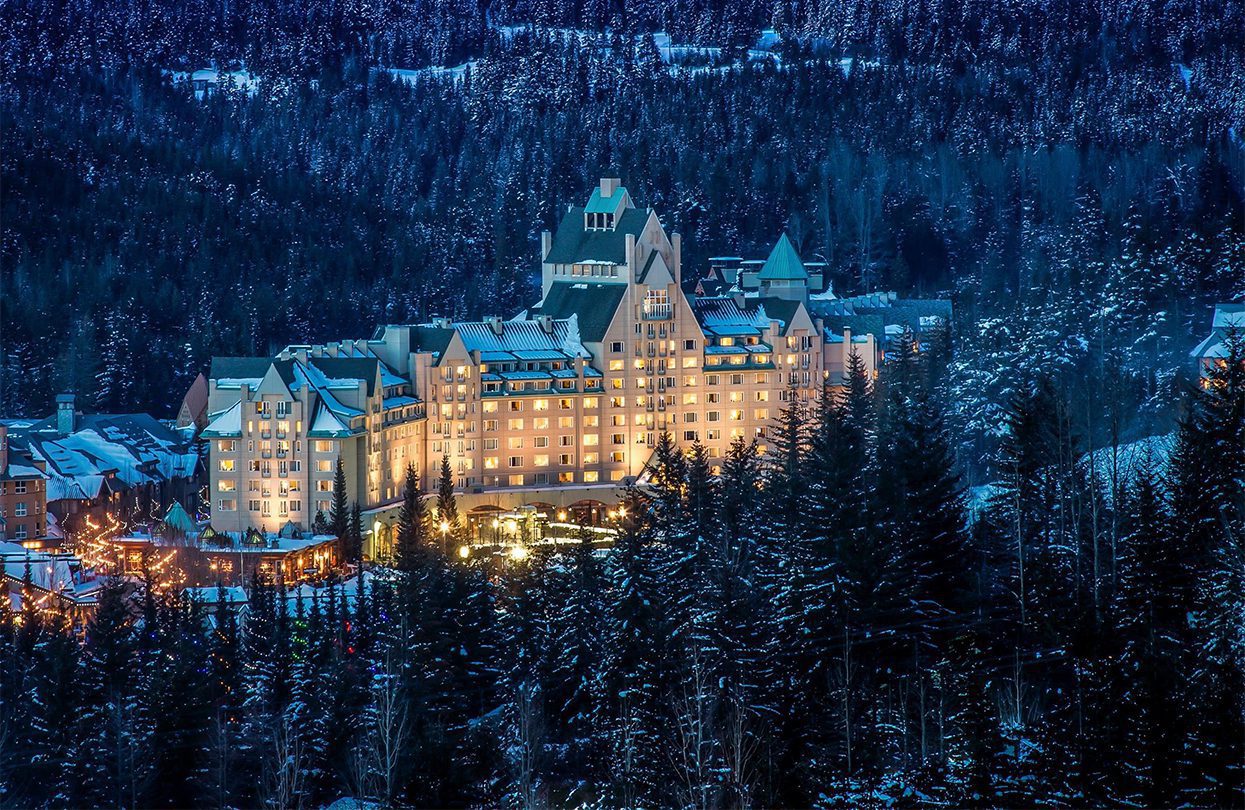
pixel 783 263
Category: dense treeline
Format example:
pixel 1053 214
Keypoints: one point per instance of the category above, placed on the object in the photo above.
pixel 1081 203
pixel 821 626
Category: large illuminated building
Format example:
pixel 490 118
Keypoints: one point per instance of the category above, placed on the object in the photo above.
pixel 557 406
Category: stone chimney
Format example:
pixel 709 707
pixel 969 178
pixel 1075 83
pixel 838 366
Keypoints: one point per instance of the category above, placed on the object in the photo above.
pixel 66 419
pixel 494 323
pixel 441 322
pixel 546 323
pixel 609 185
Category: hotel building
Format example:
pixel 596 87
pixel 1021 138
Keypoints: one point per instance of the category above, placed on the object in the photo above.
pixel 558 405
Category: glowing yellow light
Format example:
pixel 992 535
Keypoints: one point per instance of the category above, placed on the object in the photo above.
pixel 445 526
pixel 496 523
pixel 464 552
pixel 622 512
pixel 518 553
pixel 562 516
pixel 511 525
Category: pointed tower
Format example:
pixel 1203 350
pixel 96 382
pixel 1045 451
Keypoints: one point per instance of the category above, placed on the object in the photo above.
pixel 783 274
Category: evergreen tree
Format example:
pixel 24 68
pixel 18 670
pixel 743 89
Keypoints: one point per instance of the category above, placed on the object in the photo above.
pixel 339 510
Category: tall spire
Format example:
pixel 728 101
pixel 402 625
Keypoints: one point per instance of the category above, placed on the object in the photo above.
pixel 783 263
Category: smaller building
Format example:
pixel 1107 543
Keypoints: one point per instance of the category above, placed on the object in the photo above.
pixel 1214 350
pixel 23 495
pixel 207 559
pixel 51 581
pixel 101 464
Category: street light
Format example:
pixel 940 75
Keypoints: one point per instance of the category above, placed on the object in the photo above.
pixel 445 528
pixel 464 552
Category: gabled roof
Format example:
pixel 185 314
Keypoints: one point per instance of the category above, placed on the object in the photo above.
pixel 327 424
pixel 434 339
pixel 225 424
pixel 593 304
pixel 574 243
pixel 783 263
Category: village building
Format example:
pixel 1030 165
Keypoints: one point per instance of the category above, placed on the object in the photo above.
pixel 97 465
pixel 1213 350
pixel 23 495
pixel 556 407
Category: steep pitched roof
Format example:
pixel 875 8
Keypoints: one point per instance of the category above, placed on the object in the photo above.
pixel 594 304
pixel 574 243
pixel 783 263
pixel 430 338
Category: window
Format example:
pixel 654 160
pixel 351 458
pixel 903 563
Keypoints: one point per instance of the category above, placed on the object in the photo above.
pixel 490 424
pixel 515 480
pixel 538 405
pixel 324 486
pixel 515 405
pixel 490 462
pixel 590 403
pixel 540 424
pixel 711 379
pixel 689 435
pixel 542 441
pixel 540 461
pixel 737 415
pixel 566 404
pixel 490 407
pixel 296 506
pixel 19 509
pixel 566 441
pixel 762 396
pixel 226 486
pixel 689 345
pixel 690 399
pixel 324 465
pixel 225 465
pixel 566 478
pixel 714 416
pixel 616 365
pixel 490 444
pixel 252 506
pixel 227 505
pixel 591 476
pixel 515 443
pixel 324 506
pixel 267 510
pixel 323 446
pixel 762 414
pixel 690 361
pixel 616 347
pixel 618 438
pixel 253 485
pixel 617 457
pixel 516 461
pixel 514 424
pixel 226 446
pixel 566 459
pixel 591 439
pixel 566 422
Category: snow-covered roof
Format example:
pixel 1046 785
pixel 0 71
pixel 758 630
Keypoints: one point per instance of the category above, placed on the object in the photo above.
pixel 123 450
pixel 562 341
pixel 62 574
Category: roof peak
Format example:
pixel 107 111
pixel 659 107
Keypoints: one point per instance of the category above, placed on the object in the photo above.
pixel 783 263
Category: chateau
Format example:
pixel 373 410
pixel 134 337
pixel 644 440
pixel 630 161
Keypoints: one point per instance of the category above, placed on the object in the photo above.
pixel 557 406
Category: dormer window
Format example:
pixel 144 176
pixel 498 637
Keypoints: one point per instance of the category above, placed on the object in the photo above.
pixel 597 221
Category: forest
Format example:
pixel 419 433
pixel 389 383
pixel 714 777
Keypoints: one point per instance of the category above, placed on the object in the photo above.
pixel 824 626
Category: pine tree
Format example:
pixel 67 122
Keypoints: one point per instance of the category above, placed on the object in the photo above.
pixel 339 510
pixel 447 505
pixel 411 548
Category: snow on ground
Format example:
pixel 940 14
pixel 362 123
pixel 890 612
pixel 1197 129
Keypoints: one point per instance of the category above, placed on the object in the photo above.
pixel 454 73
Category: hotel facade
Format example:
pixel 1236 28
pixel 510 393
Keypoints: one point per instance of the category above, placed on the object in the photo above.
pixel 557 406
